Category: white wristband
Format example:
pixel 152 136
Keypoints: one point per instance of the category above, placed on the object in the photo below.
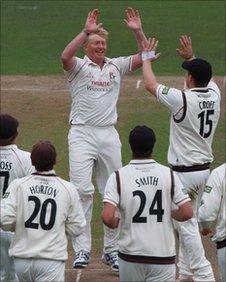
pixel 147 55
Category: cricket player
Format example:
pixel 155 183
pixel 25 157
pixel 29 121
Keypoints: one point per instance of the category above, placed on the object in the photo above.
pixel 93 140
pixel 212 214
pixel 144 191
pixel 14 163
pixel 41 208
pixel 195 113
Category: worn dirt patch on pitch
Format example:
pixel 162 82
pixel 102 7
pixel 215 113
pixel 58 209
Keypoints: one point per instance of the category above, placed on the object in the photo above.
pixel 48 95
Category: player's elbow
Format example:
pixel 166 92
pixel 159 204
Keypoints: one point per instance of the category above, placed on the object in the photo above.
pixel 107 219
pixel 64 58
pixel 186 211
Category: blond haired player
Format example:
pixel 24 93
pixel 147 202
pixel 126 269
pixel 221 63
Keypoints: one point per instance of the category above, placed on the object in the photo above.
pixel 144 191
pixel 14 163
pixel 93 140
pixel 195 113
pixel 212 213
pixel 42 208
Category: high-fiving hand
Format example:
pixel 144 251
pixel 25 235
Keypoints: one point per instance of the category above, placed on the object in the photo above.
pixel 132 19
pixel 185 50
pixel 91 24
pixel 148 50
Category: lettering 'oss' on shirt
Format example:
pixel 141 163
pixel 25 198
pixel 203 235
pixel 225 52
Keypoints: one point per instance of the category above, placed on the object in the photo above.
pixel 195 114
pixel 44 207
pixel 146 194
pixel 94 91
pixel 212 212
pixel 14 163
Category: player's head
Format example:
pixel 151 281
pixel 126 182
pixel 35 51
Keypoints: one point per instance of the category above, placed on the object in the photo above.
pixel 8 129
pixel 43 156
pixel 142 140
pixel 199 72
pixel 96 45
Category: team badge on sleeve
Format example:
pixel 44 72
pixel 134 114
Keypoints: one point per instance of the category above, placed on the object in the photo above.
pixel 165 90
pixel 207 189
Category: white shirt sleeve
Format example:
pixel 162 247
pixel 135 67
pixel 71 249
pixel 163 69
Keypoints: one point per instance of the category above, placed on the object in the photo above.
pixel 123 64
pixel 9 207
pixel 210 202
pixel 76 221
pixel 180 194
pixel 170 97
pixel 213 86
pixel 111 194
pixel 71 74
pixel 28 167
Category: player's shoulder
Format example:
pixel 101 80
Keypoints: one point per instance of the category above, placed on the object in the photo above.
pixel 220 170
pixel 66 185
pixel 19 181
pixel 125 169
pixel 22 153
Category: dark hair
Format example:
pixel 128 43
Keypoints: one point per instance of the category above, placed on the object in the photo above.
pixel 142 140
pixel 8 128
pixel 200 70
pixel 43 156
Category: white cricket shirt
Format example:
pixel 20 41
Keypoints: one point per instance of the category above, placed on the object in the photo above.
pixel 45 208
pixel 193 122
pixel 212 211
pixel 94 91
pixel 14 163
pixel 145 207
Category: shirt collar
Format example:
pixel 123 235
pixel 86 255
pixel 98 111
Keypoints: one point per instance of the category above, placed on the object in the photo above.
pixel 143 161
pixel 12 146
pixel 90 62
pixel 46 173
pixel 200 89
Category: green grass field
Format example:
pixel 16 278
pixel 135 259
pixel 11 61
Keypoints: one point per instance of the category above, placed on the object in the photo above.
pixel 34 33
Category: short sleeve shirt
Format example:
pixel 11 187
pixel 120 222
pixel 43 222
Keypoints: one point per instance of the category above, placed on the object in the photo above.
pixel 194 117
pixel 94 91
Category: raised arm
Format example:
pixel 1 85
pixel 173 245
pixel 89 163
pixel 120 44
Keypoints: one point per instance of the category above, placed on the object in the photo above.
pixel 133 22
pixel 148 56
pixel 67 57
pixel 185 50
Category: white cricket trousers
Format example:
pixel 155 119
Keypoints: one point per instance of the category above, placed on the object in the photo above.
pixel 140 272
pixel 29 269
pixel 97 148
pixel 39 269
pixel 221 258
pixel 7 269
pixel 192 260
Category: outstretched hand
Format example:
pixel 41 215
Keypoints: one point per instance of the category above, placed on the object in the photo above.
pixel 91 21
pixel 185 50
pixel 132 19
pixel 150 47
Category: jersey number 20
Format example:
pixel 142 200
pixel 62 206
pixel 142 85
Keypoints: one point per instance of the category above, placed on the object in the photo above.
pixel 158 210
pixel 43 207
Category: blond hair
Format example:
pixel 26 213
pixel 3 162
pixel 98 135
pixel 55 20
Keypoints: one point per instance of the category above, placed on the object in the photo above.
pixel 101 32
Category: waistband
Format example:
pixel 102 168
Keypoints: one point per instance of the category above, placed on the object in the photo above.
pixel 197 167
pixel 91 126
pixel 221 244
pixel 147 259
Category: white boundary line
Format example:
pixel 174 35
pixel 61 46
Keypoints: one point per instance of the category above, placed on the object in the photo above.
pixel 78 276
pixel 138 84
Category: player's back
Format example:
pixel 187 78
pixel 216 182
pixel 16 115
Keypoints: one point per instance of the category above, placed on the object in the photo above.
pixel 14 163
pixel 145 206
pixel 44 202
pixel 192 134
